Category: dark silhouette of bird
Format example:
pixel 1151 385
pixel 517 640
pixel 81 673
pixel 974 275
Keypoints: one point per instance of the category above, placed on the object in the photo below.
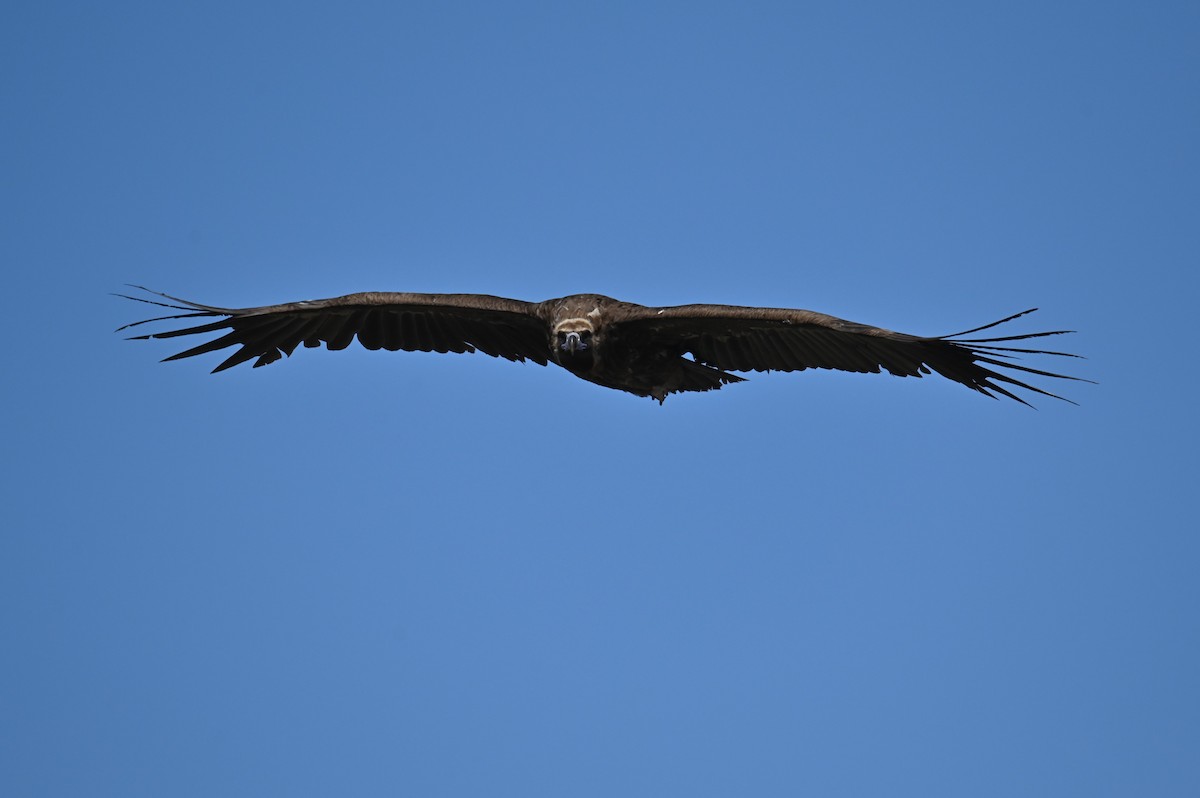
pixel 645 351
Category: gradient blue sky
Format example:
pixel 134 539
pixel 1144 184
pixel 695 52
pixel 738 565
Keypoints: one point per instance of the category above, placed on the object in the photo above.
pixel 368 574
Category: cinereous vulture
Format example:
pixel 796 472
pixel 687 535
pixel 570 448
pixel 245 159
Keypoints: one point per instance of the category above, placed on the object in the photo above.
pixel 645 351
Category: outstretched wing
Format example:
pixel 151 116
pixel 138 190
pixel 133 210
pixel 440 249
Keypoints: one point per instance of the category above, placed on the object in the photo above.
pixel 777 339
pixel 496 326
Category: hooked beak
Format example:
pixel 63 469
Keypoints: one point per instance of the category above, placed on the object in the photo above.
pixel 574 342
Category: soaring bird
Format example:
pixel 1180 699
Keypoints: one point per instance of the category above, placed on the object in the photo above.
pixel 645 351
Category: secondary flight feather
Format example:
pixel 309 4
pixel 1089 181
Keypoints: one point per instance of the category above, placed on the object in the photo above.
pixel 645 351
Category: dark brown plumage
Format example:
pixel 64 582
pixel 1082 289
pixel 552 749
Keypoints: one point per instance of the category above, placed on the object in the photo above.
pixel 616 344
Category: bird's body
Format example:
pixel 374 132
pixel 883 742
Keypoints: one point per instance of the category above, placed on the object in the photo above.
pixel 645 351
pixel 603 356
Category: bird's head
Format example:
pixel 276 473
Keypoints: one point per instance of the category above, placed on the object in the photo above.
pixel 574 342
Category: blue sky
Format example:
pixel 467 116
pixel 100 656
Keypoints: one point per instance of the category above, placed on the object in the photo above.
pixel 409 574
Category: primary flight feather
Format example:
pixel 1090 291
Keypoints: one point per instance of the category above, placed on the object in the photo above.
pixel 645 351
